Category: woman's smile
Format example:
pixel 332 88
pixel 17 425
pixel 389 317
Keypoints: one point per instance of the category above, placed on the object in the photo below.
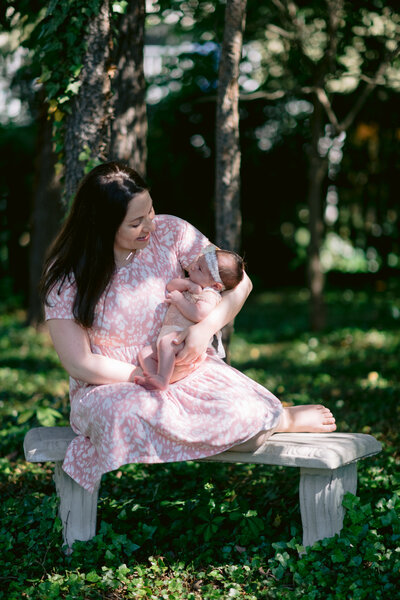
pixel 144 238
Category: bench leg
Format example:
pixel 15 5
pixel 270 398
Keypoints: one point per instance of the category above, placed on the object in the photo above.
pixel 78 508
pixel 321 496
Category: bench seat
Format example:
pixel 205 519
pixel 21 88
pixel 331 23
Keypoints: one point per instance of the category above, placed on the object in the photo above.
pixel 327 463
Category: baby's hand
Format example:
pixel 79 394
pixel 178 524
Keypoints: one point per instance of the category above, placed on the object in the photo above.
pixel 194 288
pixel 173 297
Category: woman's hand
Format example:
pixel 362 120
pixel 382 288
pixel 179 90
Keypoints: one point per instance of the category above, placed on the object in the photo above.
pixel 196 339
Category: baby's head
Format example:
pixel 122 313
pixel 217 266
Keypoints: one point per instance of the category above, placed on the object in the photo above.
pixel 219 269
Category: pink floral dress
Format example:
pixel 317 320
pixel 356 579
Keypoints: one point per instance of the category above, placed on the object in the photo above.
pixel 207 412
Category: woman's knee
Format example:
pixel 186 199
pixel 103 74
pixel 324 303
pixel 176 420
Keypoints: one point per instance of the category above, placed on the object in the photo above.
pixel 253 443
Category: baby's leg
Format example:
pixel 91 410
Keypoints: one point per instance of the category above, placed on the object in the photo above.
pixel 148 360
pixel 166 352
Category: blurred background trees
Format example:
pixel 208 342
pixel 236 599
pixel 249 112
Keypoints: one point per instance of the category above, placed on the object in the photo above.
pixel 319 128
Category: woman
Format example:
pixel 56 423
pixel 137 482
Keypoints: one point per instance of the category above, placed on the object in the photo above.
pixel 104 292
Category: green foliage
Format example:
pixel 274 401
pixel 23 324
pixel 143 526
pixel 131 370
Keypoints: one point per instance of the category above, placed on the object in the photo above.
pixel 59 47
pixel 274 132
pixel 362 563
pixel 33 386
pixel 191 531
pixel 284 59
pixel 57 41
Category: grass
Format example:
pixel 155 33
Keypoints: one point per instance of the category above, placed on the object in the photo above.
pixel 214 531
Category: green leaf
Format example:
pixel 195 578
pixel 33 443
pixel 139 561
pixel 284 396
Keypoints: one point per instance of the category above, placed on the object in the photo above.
pixel 47 416
pixel 73 87
pixel 24 416
pixel 355 561
pixel 119 7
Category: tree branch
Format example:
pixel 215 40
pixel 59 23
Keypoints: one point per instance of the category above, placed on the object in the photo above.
pixel 289 11
pixel 280 6
pixel 280 31
pixel 292 11
pixel 321 94
pixel 335 8
pixel 266 95
pixel 326 104
pixel 371 85
pixel 245 97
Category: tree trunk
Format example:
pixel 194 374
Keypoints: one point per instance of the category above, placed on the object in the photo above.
pixel 129 127
pixel 46 216
pixel 227 184
pixel 88 125
pixel 316 175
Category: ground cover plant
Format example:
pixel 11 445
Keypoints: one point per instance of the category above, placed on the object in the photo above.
pixel 214 531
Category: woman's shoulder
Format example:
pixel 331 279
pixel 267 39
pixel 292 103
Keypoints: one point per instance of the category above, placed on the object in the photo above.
pixel 181 237
pixel 170 222
pixel 170 227
pixel 60 299
pixel 64 287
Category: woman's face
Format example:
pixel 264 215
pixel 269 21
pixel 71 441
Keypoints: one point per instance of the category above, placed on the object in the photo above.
pixel 136 228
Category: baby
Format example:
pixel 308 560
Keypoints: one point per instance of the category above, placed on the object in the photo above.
pixel 191 299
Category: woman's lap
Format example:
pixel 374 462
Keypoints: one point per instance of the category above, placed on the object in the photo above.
pixel 211 410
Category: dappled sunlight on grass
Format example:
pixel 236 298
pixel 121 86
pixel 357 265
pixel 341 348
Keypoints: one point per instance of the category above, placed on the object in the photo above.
pixel 33 384
pixel 351 369
pixel 197 530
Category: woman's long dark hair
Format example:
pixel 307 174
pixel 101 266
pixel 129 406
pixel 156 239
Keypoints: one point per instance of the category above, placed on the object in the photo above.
pixel 84 247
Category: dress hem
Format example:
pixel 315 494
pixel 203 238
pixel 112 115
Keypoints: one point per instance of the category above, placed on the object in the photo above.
pixel 150 460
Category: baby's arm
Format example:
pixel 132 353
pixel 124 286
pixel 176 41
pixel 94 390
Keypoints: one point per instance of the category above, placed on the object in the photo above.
pixel 184 285
pixel 197 336
pixel 194 312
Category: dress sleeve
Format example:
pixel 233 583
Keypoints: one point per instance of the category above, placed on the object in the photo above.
pixel 60 301
pixel 191 243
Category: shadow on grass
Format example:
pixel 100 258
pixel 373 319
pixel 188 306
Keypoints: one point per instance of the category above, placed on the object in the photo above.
pixel 283 315
pixel 210 526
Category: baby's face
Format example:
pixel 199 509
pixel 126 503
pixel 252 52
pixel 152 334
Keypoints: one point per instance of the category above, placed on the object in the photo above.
pixel 199 272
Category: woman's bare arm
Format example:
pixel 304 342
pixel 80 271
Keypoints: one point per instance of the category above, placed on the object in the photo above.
pixel 197 336
pixel 72 346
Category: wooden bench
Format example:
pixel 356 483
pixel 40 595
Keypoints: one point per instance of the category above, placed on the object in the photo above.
pixel 327 462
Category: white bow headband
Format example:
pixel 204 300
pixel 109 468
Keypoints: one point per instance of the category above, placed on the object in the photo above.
pixel 212 263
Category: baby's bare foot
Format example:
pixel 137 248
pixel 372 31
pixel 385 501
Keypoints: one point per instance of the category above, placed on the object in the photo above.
pixel 151 382
pixel 310 418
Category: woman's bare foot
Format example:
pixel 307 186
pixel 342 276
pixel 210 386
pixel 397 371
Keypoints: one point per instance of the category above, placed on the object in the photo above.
pixel 309 418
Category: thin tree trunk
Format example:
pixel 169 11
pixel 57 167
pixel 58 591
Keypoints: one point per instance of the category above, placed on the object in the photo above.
pixel 227 185
pixel 316 175
pixel 46 216
pixel 227 188
pixel 129 127
pixel 88 125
